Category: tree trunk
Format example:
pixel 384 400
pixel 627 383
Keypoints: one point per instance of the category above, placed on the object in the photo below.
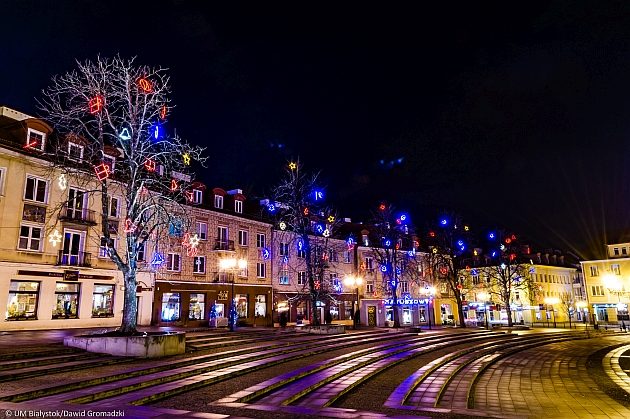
pixel 395 307
pixel 460 309
pixel 508 310
pixel 315 318
pixel 130 308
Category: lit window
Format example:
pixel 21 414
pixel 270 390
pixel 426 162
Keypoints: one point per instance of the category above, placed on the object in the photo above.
pixel 218 201
pixel 67 300
pixel 284 277
pixel 103 301
pixel 238 206
pixel 615 269
pixel 23 299
pixel 102 251
pixel 199 265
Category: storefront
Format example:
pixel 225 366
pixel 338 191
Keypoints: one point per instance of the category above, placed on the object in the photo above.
pixel 412 312
pixel 297 308
pixel 192 304
pixel 54 298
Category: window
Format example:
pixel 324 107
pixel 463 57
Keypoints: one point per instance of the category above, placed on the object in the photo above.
pixel 112 226
pixel 301 253
pixel 238 206
pixel 369 287
pixel 404 286
pixel 30 238
pixel 76 204
pixel 369 263
pixel 243 237
pixel 103 301
pixel 260 240
pixel 67 300
pixel 594 271
pixel 218 201
pixel 202 230
pixel 35 140
pixel 347 256
pixel 475 280
pixel 241 305
pixel 336 283
pixel 261 271
pixel 222 235
pixel 2 176
pixel 102 251
pixel 260 306
pixel 243 271
pixel 624 250
pixel 141 251
pixel 109 161
pixel 284 277
pixel 75 152
pixel 23 298
pixel 333 256
pixel 172 262
pixel 284 249
pixel 170 306
pixel 615 269
pixel 301 278
pixel 616 250
pixel 365 240
pixel 197 196
pixel 196 306
pixel 34 213
pixel 113 208
pixel 175 228
pixel 597 290
pixel 199 265
pixel 35 189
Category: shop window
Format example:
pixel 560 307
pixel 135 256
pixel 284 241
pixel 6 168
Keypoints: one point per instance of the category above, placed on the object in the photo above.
pixel 348 310
pixel 241 305
pixel 260 308
pixel 103 301
pixel 196 307
pixel 170 306
pixel 334 312
pixel 219 309
pixel 67 300
pixel 406 316
pixel 23 298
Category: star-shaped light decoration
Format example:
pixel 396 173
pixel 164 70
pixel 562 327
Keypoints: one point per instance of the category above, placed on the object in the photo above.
pixel 186 158
pixel 62 182
pixel 292 166
pixel 331 219
pixel 194 241
pixel 54 238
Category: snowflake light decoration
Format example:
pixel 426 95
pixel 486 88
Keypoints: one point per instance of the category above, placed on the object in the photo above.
pixel 62 182
pixel 194 241
pixel 54 238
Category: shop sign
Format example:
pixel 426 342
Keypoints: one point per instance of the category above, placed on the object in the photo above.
pixel 406 302
pixel 70 275
pixel 222 295
pixel 140 288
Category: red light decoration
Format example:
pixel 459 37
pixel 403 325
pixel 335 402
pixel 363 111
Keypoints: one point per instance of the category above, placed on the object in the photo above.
pixel 382 207
pixel 149 165
pixel 459 286
pixel 443 270
pixel 130 227
pixel 190 196
pixel 305 211
pixel 512 256
pixel 163 112
pixel 513 237
pixel 174 185
pixel 102 171
pixel 186 240
pixel 431 233
pixel 145 85
pixel 317 285
pixel 397 246
pixel 398 221
pixel 191 251
pixel 508 240
pixel 30 144
pixel 96 104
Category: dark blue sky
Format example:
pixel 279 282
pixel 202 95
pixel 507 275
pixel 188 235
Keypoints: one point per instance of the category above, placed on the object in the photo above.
pixel 513 115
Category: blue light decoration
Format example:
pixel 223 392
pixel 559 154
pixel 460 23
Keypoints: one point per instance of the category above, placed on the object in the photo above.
pixel 403 217
pixel 158 259
pixel 124 134
pixel 411 253
pixel 350 242
pixel 300 245
pixel 503 266
pixel 383 268
pixel 338 287
pixel 393 283
pixel 491 236
pixel 462 248
pixel 271 208
pixel 156 131
pixel 460 242
pixel 387 243
pixel 444 221
pixel 285 259
pixel 494 253
pixel 473 272
pixel 398 271
pixel 319 195
pixel 532 270
pixel 319 228
pixel 266 254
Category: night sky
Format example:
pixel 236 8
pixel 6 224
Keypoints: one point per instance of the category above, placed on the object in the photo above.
pixel 514 116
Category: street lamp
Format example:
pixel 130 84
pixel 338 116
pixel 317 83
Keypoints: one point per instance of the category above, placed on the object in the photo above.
pixel 430 291
pixel 551 301
pixel 581 305
pixel 354 281
pixel 232 265
pixel 484 297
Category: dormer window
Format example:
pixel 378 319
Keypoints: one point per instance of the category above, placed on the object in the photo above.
pixel 197 196
pixel 218 201
pixel 75 151
pixel 238 207
pixel 35 140
pixel 109 161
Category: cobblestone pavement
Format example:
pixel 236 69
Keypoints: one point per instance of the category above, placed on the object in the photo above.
pixel 273 373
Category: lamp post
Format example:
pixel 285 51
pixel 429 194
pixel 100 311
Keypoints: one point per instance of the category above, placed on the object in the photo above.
pixel 550 301
pixel 354 281
pixel 430 293
pixel 484 297
pixel 232 265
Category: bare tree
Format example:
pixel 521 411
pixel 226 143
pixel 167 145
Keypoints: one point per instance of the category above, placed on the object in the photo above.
pixel 112 110
pixel 449 242
pixel 299 207
pixel 393 247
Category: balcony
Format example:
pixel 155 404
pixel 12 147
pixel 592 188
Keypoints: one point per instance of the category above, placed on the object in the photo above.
pixel 82 259
pixel 77 215
pixel 226 245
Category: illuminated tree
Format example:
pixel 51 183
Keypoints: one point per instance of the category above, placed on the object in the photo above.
pixel 393 247
pixel 114 110
pixel 448 243
pixel 306 223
